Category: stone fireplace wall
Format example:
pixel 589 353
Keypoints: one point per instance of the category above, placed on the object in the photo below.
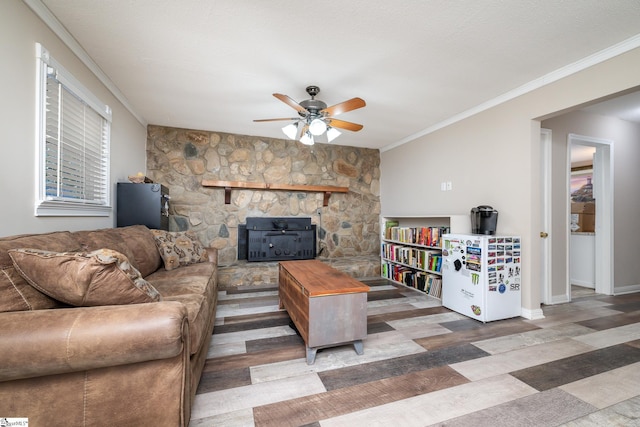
pixel 348 227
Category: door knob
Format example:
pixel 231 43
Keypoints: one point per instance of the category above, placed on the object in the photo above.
pixel 544 234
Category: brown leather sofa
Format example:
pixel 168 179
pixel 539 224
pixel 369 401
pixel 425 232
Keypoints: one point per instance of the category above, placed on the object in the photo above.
pixel 135 364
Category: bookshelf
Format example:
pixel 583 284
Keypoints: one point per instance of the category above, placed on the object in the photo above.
pixel 411 250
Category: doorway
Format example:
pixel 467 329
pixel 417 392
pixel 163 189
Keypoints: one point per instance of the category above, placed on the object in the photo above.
pixel 601 181
pixel 552 243
pixel 582 227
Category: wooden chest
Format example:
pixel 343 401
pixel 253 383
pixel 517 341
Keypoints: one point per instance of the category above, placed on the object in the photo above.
pixel 327 306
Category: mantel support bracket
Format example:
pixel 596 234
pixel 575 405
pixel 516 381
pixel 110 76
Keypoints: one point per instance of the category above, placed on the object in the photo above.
pixel 227 195
pixel 230 185
pixel 325 201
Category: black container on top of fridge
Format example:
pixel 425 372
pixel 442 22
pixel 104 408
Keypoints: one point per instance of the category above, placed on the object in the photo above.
pixel 484 220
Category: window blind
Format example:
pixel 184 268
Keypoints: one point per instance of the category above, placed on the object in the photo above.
pixel 74 145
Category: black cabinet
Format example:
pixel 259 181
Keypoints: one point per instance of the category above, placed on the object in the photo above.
pixel 145 204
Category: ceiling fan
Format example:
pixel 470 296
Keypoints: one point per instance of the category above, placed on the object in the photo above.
pixel 316 122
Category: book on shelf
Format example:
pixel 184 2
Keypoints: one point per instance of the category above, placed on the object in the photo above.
pixel 435 287
pixel 435 262
pixel 423 236
pixel 424 259
pixel 388 225
pixel 412 256
pixel 428 283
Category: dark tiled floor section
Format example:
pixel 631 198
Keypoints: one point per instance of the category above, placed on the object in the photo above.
pixel 608 322
pixel 361 374
pixel 570 369
pixel 551 393
pixel 468 330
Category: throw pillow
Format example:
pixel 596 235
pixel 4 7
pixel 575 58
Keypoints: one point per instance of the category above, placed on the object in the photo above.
pixel 101 277
pixel 179 248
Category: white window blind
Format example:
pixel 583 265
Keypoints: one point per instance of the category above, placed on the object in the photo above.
pixel 74 145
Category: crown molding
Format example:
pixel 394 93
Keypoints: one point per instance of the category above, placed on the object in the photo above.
pixel 59 30
pixel 589 61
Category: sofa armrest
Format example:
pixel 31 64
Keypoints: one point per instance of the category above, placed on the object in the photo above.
pixel 47 342
pixel 212 254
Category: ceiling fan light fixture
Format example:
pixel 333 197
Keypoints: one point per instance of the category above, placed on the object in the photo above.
pixel 332 133
pixel 307 139
pixel 317 127
pixel 291 130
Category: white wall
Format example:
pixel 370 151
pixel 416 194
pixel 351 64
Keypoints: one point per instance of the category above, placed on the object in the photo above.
pixel 494 158
pixel 20 29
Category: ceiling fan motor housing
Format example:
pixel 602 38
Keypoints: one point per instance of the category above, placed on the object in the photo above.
pixel 314 106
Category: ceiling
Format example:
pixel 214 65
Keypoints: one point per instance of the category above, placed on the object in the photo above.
pixel 214 64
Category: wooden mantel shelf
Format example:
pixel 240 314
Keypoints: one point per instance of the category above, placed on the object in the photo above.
pixel 229 185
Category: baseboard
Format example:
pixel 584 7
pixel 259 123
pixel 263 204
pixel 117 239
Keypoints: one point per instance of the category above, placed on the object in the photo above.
pixel 583 283
pixel 626 289
pixel 560 299
pixel 532 314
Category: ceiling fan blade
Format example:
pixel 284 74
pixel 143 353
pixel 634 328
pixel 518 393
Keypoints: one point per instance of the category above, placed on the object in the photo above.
pixel 276 120
pixel 354 127
pixel 291 103
pixel 343 107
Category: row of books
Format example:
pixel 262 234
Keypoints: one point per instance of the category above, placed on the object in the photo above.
pixel 428 283
pixel 423 259
pixel 425 236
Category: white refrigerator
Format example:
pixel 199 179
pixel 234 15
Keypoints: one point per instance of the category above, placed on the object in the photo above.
pixel 481 276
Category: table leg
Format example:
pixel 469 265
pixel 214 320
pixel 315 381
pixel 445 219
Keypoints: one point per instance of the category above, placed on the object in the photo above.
pixel 359 347
pixel 311 355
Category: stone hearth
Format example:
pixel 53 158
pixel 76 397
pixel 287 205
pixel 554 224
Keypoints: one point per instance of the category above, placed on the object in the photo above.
pixel 266 273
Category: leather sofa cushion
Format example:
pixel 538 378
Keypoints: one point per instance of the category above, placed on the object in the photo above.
pixel 135 242
pixel 194 286
pixel 92 240
pixel 144 253
pixel 102 277
pixel 15 293
pixel 179 248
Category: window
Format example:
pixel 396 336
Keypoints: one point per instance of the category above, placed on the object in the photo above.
pixel 73 145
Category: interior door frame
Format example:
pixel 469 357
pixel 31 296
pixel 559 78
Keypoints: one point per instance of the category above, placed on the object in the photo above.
pixel 546 260
pixel 603 193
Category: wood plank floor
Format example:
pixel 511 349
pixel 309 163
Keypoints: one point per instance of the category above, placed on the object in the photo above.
pixel 424 365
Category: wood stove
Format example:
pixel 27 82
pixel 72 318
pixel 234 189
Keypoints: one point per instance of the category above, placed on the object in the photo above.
pixel 277 239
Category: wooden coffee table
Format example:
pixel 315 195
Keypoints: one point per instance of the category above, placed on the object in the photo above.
pixel 327 306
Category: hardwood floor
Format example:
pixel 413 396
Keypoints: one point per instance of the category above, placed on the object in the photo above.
pixel 425 365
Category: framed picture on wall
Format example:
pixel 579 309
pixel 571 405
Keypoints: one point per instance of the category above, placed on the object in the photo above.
pixel 582 185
